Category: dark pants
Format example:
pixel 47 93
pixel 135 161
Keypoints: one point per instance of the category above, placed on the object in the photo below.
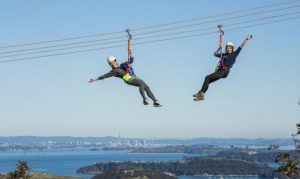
pixel 214 77
pixel 142 87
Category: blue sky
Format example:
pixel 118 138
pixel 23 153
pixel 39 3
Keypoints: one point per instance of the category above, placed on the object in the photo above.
pixel 51 96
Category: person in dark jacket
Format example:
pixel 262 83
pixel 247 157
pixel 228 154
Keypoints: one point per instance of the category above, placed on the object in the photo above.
pixel 223 69
pixel 125 72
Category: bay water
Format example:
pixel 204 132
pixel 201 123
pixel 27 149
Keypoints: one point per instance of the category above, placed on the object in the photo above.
pixel 67 162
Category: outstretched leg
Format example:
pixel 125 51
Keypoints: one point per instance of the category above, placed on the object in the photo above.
pixel 139 83
pixel 144 87
pixel 149 92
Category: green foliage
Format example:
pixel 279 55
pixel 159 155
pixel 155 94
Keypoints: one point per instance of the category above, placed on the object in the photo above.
pixel 21 171
pixel 287 165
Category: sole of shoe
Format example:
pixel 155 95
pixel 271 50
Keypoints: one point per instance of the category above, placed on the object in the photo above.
pixel 199 99
pixel 157 105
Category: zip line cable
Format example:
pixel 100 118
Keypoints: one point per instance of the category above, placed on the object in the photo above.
pixel 154 36
pixel 145 42
pixel 216 15
pixel 60 49
pixel 122 41
pixel 213 27
pixel 61 45
pixel 148 27
pixel 260 24
pixel 59 40
pixel 222 19
pixel 208 33
pixel 120 37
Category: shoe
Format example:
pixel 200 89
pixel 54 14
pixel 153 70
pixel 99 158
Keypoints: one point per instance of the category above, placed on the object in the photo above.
pixel 145 102
pixel 199 95
pixel 156 104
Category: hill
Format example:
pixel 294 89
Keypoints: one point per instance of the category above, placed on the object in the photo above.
pixel 189 166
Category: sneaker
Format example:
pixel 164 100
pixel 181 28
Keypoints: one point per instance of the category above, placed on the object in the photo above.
pixel 198 95
pixel 156 104
pixel 146 102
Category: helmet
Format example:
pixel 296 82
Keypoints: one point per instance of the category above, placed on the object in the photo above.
pixel 229 44
pixel 111 59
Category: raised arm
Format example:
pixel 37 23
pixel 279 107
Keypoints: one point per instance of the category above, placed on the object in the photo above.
pixel 245 41
pixel 107 75
pixel 242 45
pixel 131 59
pixel 130 54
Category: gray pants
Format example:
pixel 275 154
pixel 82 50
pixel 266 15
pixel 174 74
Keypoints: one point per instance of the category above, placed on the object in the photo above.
pixel 142 87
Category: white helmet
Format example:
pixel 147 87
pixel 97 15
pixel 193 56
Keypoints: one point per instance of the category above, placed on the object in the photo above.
pixel 111 59
pixel 229 44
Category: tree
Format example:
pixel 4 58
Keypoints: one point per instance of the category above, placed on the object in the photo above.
pixel 287 165
pixel 21 171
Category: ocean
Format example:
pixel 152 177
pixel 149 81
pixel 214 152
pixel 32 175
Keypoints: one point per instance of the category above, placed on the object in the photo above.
pixel 66 162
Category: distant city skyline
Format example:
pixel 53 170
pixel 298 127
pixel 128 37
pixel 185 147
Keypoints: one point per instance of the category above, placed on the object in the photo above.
pixel 51 97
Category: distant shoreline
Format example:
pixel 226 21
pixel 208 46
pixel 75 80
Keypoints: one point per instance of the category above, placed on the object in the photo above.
pixel 222 175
